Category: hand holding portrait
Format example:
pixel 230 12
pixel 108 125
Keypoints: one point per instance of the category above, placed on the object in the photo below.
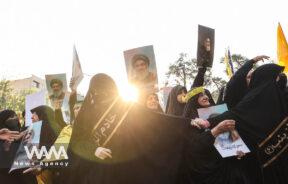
pixel 224 126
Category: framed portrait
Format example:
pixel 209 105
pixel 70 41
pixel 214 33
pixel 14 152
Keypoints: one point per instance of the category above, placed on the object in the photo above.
pixel 57 89
pixel 141 68
pixel 56 79
pixel 205 48
pixel 227 143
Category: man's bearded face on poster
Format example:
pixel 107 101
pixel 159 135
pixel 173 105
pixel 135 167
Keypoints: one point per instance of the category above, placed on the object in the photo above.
pixel 141 69
pixel 56 88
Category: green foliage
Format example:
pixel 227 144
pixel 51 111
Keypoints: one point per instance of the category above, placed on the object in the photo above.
pixel 237 59
pixel 184 70
pixel 5 94
pixel 10 99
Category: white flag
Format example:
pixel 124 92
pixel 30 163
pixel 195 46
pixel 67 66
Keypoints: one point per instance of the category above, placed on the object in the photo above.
pixel 77 74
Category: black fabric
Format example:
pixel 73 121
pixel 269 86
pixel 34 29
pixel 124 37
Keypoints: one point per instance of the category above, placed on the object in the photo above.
pixel 72 102
pixel 146 148
pixel 261 109
pixel 256 116
pixel 202 164
pixel 50 128
pixel 174 107
pixel 9 120
pixel 192 105
pixel 101 93
pixel 199 79
pixel 237 87
pixel 10 124
pixel 190 109
pixel 282 83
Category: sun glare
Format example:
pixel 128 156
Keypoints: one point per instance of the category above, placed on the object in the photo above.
pixel 128 92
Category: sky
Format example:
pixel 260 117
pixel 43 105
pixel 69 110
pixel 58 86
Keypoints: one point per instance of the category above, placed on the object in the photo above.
pixel 37 36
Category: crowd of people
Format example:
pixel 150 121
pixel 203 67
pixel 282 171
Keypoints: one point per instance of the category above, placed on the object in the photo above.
pixel 150 145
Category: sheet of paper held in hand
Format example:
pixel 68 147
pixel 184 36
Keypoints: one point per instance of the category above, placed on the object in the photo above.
pixel 228 143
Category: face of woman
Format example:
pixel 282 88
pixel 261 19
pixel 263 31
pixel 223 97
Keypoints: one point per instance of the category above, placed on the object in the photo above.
pixel 152 102
pixel 203 100
pixel 34 117
pixel 102 96
pixel 181 97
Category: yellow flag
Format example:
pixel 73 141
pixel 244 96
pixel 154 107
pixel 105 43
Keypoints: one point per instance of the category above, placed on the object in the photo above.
pixel 228 63
pixel 282 48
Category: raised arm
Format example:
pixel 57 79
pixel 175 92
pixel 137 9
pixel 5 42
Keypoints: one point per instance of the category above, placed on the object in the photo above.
pixel 199 79
pixel 236 87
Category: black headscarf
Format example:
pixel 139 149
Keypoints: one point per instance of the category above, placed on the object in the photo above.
pixel 264 105
pixel 202 163
pixel 174 107
pixel 262 108
pixel 101 93
pixel 8 120
pixel 50 129
pixel 282 83
pixel 11 124
pixel 237 87
pixel 142 147
pixel 192 105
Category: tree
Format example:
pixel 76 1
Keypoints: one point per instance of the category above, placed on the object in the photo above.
pixel 5 93
pixel 237 59
pixel 181 70
pixel 184 70
pixel 11 100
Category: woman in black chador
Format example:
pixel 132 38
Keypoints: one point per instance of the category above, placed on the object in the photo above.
pixel 146 148
pixel 50 128
pixel 102 92
pixel 202 164
pixel 237 86
pixel 176 101
pixel 177 98
pixel 196 97
pixel 10 121
pixel 257 115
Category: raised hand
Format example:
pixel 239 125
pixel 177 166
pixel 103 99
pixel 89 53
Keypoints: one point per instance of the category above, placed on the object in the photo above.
pixel 260 58
pixel 8 135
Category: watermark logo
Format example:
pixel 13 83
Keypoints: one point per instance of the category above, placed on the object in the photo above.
pixel 42 152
